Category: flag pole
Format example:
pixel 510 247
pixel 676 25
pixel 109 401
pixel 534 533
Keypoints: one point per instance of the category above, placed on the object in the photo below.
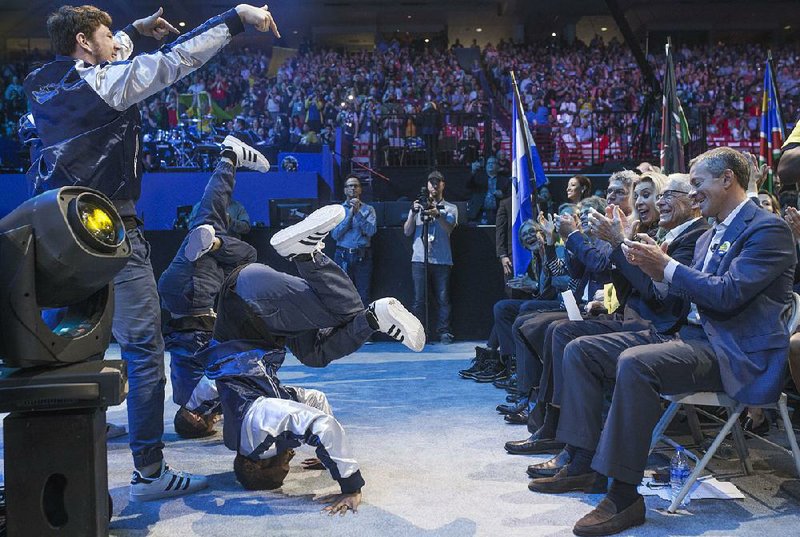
pixel 528 144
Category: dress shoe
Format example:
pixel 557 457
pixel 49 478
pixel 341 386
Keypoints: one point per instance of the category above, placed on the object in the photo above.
pixel 533 445
pixel 605 520
pixel 551 467
pixel 590 482
pixel 512 408
pixel 761 429
pixel 517 418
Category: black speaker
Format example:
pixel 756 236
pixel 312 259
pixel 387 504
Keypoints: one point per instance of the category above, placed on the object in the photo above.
pixel 55 465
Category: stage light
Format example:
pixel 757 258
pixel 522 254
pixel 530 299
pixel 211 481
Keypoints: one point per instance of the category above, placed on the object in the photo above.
pixel 181 24
pixel 603 29
pixel 58 253
pixel 478 30
pixel 553 34
pixel 787 27
pixel 427 40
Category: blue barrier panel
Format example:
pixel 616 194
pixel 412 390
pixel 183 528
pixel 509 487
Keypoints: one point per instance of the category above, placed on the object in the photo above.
pixel 162 193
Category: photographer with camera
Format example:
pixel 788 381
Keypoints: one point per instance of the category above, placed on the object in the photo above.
pixel 431 220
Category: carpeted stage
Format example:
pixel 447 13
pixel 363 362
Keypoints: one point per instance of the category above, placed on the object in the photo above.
pixel 430 448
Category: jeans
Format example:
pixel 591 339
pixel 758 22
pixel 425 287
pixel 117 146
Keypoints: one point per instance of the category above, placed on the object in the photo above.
pixel 137 329
pixel 439 278
pixel 358 266
pixel 186 370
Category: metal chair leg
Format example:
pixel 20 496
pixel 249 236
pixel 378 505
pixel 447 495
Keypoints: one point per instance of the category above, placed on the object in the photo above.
pixel 698 469
pixel 787 424
pixel 662 424
pixel 694 424
pixel 741 446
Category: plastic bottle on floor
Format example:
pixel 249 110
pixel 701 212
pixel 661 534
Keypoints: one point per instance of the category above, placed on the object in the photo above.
pixel 679 473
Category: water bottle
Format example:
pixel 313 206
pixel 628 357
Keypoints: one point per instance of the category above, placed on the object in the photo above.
pixel 678 474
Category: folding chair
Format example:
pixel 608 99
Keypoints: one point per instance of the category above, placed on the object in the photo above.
pixel 735 408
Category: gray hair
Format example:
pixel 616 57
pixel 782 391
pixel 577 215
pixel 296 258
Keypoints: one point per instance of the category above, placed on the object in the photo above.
pixel 719 159
pixel 627 177
pixel 594 202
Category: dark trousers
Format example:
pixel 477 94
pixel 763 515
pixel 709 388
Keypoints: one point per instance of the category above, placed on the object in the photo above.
pixel 439 279
pixel 213 210
pixel 564 332
pixel 506 312
pixel 532 343
pixel 186 369
pixel 319 313
pixel 641 366
pixel 357 264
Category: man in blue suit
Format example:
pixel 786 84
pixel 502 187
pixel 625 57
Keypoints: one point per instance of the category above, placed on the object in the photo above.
pixel 736 292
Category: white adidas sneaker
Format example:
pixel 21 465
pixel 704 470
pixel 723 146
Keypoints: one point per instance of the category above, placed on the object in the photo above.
pixel 306 236
pixel 199 242
pixel 399 323
pixel 168 484
pixel 246 156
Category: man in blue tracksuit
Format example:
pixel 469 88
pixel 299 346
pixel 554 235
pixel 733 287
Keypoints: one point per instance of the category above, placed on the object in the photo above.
pixel 84 109
pixel 320 318
pixel 189 288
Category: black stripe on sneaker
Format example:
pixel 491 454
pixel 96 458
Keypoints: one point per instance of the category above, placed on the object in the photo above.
pixel 174 477
pixel 309 243
pixel 186 486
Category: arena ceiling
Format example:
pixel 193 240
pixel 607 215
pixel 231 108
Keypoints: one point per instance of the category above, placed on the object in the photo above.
pixel 19 18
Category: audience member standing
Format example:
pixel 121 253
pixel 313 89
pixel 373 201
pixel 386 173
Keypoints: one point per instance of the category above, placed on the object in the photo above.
pixel 353 236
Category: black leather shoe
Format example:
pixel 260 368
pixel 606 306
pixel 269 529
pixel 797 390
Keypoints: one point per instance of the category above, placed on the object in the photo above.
pixel 511 408
pixel 518 418
pixel 534 445
pixel 551 467
pixel 605 520
pixel 590 483
pixel 761 429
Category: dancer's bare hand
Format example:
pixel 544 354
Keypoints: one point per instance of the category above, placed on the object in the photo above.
pixel 312 464
pixel 260 17
pixel 155 26
pixel 341 503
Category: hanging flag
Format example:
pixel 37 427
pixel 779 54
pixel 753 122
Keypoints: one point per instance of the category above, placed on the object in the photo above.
pixel 674 127
pixel 772 131
pixel 526 165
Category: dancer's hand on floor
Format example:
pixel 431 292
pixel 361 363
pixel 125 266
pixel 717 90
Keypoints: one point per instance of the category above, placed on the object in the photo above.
pixel 341 503
pixel 312 464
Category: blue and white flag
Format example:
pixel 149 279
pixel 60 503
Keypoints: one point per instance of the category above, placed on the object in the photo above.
pixel 525 163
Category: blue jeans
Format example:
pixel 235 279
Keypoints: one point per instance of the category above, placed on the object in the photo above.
pixel 186 370
pixel 137 329
pixel 358 266
pixel 439 278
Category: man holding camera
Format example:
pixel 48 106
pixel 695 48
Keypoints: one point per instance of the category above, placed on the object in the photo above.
pixel 431 220
pixel 353 235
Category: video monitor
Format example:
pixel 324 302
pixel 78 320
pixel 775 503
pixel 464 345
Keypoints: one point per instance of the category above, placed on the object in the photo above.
pixel 285 212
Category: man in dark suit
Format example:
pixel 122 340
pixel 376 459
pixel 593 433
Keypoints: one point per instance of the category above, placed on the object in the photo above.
pixel 486 191
pixel 735 292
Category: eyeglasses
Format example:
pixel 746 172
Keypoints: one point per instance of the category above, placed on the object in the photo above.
pixel 670 195
pixel 352 186
pixel 616 192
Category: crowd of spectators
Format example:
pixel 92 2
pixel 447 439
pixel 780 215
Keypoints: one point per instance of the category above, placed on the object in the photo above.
pixel 591 93
pixel 573 94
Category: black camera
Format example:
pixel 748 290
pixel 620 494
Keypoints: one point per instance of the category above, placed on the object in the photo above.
pixel 423 198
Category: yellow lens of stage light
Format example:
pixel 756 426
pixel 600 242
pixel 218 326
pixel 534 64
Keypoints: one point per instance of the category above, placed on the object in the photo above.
pixel 99 223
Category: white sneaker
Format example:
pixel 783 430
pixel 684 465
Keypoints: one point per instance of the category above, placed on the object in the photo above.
pixel 199 242
pixel 306 236
pixel 396 321
pixel 168 484
pixel 246 156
